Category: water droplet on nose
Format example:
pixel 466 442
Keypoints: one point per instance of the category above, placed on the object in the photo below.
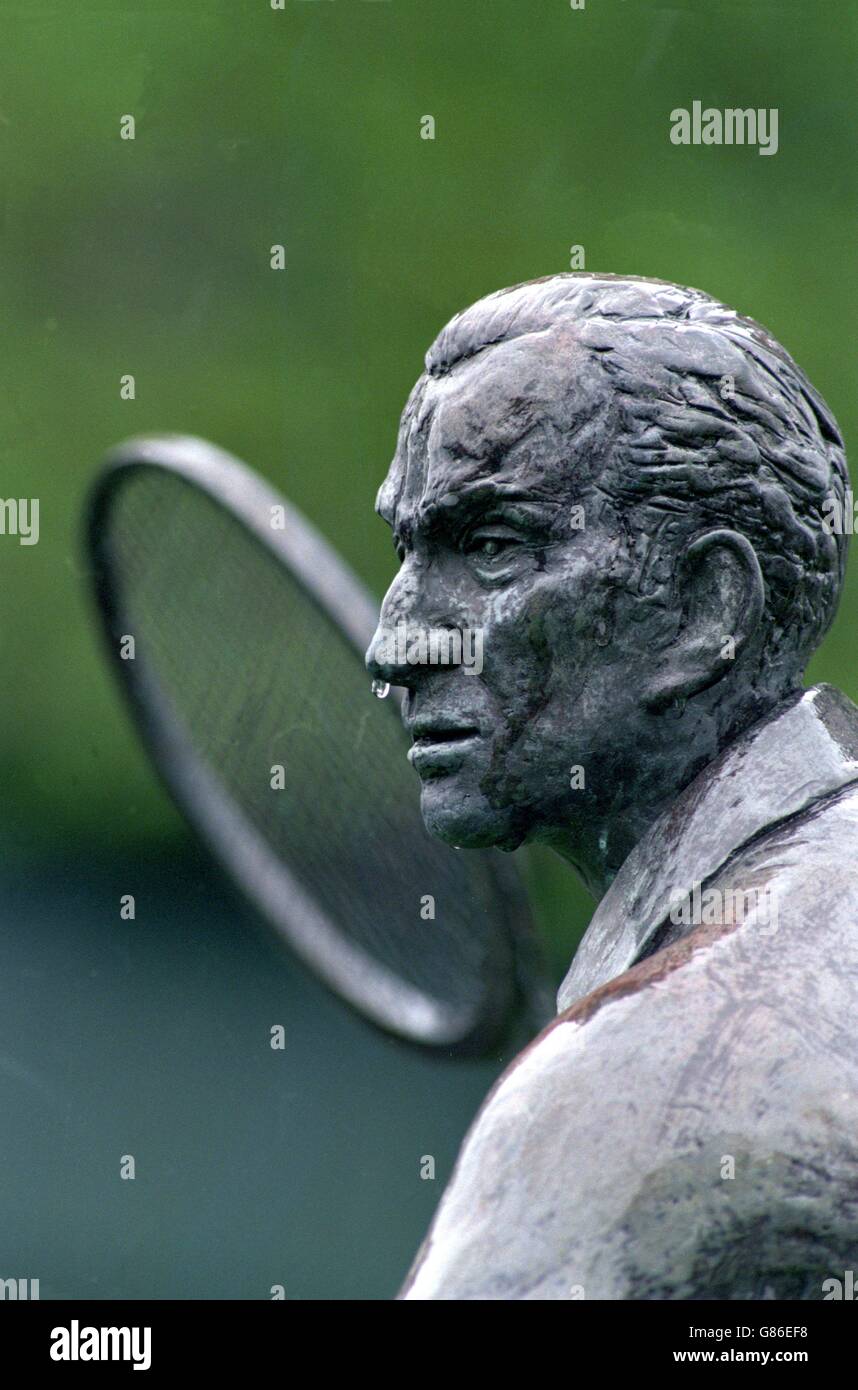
pixel 380 689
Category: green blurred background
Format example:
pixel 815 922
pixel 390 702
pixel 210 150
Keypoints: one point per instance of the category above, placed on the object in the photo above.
pixel 302 127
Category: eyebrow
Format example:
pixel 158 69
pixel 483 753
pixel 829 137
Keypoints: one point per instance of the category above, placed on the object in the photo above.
pixel 471 498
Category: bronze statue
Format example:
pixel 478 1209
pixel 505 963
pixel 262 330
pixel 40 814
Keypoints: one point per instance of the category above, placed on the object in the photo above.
pixel 626 488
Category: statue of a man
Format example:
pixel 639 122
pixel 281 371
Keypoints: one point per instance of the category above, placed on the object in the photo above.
pixel 628 490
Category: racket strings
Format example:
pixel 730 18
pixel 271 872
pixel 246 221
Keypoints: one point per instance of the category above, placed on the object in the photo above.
pixel 275 701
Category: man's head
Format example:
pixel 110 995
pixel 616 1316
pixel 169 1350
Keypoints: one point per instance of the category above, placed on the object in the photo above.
pixel 618 483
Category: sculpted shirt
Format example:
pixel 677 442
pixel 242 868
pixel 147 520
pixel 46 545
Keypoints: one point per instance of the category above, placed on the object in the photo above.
pixel 688 1125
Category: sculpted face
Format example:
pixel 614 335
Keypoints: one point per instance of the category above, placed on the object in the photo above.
pixel 637 560
pixel 484 499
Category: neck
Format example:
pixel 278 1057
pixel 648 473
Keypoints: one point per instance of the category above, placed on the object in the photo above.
pixel 669 752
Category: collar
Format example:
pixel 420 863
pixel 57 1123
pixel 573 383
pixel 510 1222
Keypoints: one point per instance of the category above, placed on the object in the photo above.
pixel 804 750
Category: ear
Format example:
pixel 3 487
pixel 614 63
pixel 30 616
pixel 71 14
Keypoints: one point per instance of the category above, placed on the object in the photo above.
pixel 721 596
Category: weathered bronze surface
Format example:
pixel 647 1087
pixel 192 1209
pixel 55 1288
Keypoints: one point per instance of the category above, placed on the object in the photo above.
pixel 626 489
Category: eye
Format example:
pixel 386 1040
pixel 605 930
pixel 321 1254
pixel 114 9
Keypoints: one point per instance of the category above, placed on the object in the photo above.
pixel 488 548
pixel 488 545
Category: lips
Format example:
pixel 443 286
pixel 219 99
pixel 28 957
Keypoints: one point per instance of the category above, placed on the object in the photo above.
pixel 440 745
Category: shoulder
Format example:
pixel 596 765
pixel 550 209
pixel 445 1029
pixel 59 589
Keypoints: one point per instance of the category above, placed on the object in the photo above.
pixel 639 1146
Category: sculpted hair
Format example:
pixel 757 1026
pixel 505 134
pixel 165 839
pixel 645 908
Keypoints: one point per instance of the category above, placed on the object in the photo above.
pixel 712 424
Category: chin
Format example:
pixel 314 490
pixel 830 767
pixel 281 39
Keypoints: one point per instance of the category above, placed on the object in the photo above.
pixel 467 820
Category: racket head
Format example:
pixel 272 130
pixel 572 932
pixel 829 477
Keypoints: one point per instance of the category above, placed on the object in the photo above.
pixel 248 686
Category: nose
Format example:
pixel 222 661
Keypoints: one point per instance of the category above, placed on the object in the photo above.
pixel 410 611
pixel 386 657
pixel 381 660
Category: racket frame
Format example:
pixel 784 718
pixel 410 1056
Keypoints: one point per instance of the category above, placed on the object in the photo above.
pixel 262 876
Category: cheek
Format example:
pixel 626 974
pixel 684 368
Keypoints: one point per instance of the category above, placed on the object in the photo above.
pixel 547 668
pixel 540 650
